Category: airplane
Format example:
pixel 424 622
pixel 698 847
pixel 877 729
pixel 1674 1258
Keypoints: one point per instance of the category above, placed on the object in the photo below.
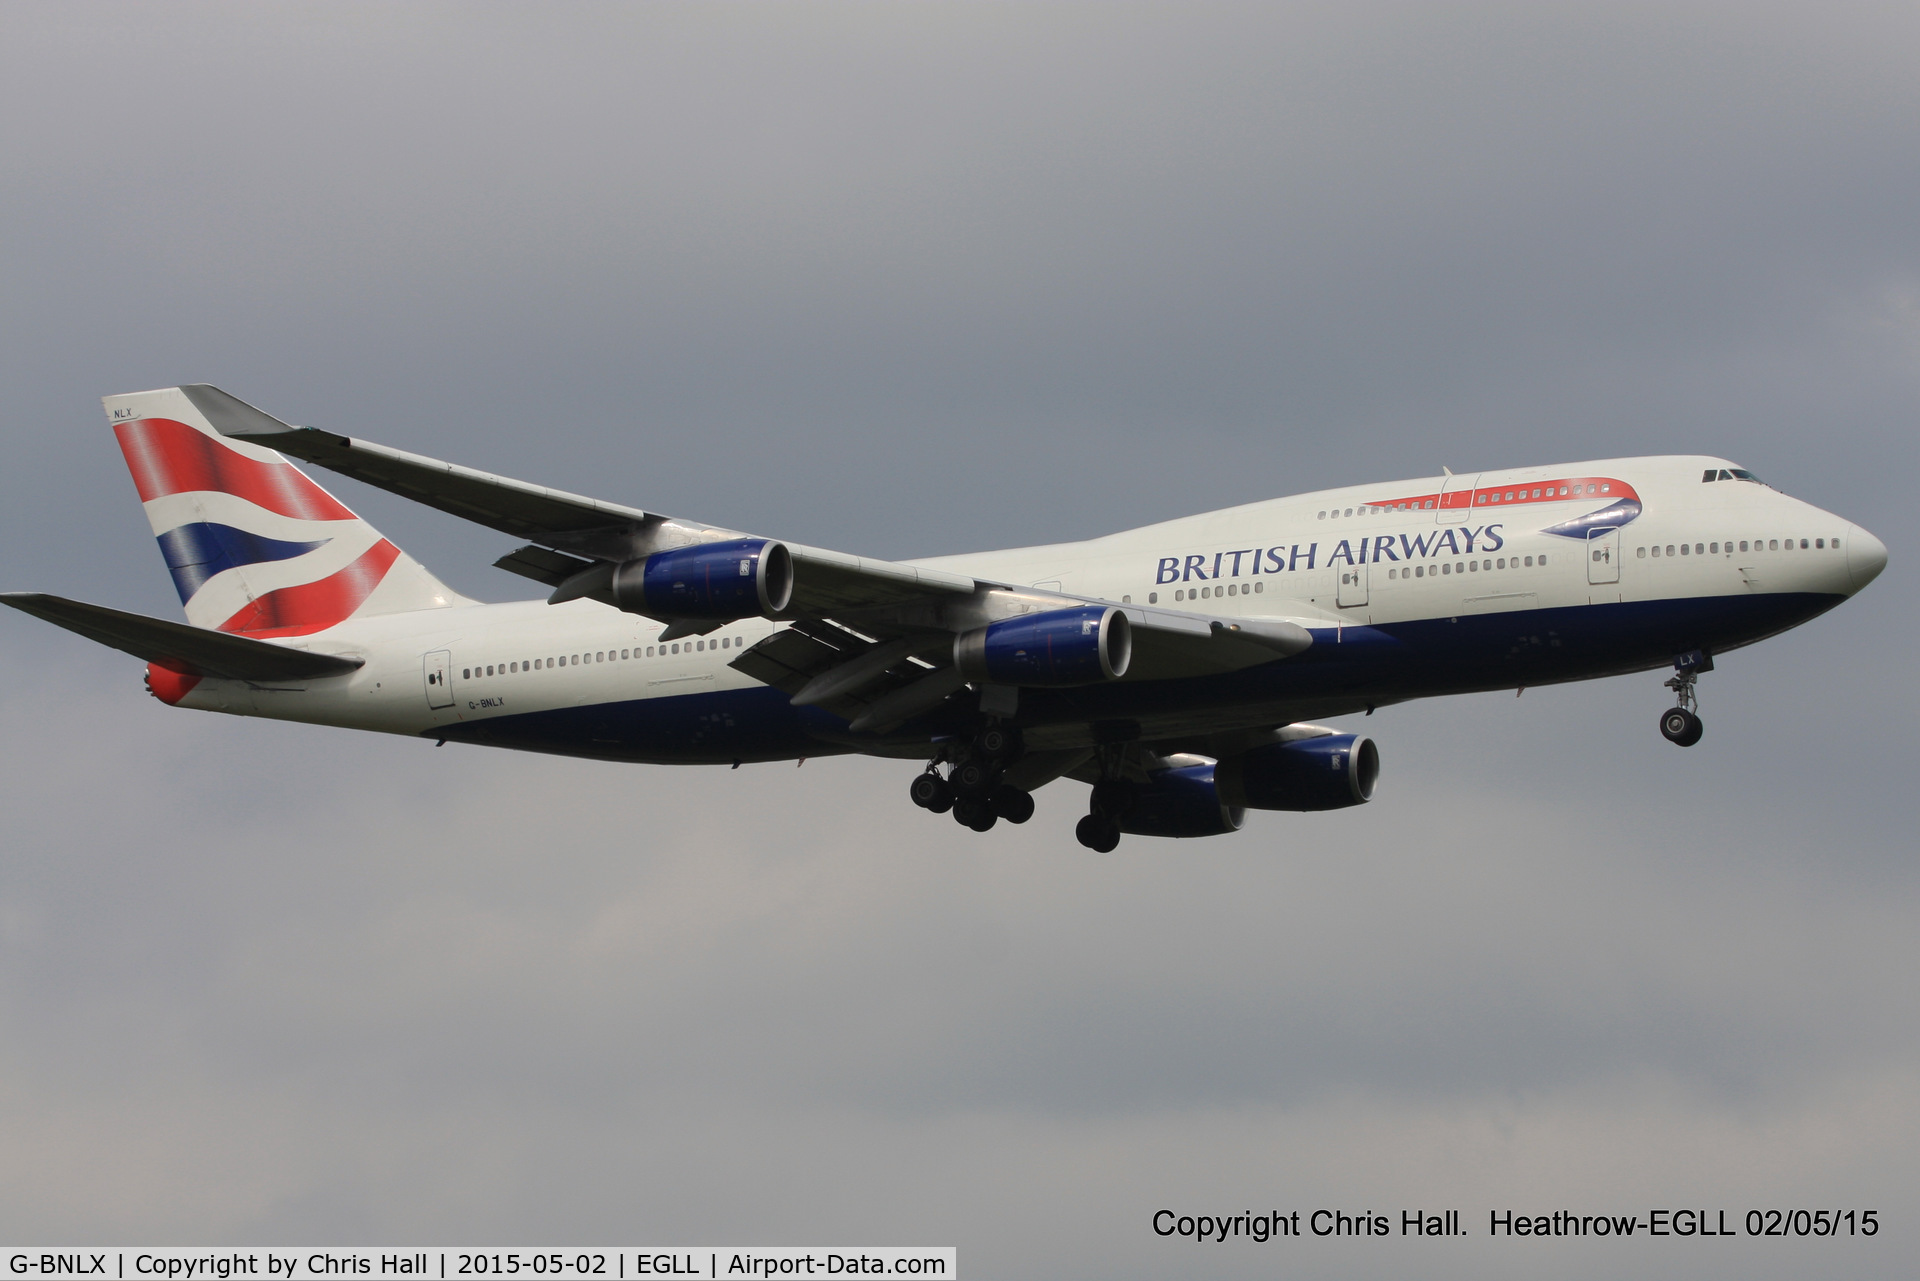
pixel 1180 669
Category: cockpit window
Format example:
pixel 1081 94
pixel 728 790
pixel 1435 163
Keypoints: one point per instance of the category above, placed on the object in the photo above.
pixel 1739 474
pixel 1729 473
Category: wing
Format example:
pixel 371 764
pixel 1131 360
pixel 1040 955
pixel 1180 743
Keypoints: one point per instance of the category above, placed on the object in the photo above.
pixel 571 534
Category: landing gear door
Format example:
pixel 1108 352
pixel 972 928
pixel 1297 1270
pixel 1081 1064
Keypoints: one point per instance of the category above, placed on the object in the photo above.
pixel 1353 585
pixel 1456 499
pixel 1603 556
pixel 439 677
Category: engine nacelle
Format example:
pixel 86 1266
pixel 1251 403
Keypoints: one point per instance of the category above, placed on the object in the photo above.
pixel 1326 773
pixel 1081 646
pixel 736 579
pixel 1180 802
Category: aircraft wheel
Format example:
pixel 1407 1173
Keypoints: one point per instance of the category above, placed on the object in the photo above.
pixel 1098 834
pixel 997 741
pixel 968 811
pixel 1012 804
pixel 1681 726
pixel 971 777
pixel 985 819
pixel 930 792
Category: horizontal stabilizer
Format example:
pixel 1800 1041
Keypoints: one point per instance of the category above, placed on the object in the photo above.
pixel 193 651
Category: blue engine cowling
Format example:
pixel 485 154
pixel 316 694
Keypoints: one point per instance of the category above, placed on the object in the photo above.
pixel 1081 646
pixel 735 579
pixel 1326 773
pixel 1180 802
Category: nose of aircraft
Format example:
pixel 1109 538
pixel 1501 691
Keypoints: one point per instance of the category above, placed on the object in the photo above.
pixel 1866 557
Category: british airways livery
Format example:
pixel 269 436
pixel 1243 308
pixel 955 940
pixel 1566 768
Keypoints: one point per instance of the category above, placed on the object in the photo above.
pixel 1176 668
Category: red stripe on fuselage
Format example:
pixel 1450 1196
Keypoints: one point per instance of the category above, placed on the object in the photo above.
pixel 314 607
pixel 168 457
pixel 1543 491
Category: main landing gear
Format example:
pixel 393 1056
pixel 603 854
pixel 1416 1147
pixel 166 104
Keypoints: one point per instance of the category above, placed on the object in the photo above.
pixel 1112 797
pixel 1681 723
pixel 972 789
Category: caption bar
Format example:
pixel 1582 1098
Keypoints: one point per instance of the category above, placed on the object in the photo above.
pixel 283 1263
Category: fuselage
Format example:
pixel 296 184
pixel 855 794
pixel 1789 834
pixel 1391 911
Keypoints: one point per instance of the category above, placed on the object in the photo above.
pixel 1410 588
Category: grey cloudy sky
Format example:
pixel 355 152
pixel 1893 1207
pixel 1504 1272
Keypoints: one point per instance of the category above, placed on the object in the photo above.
pixel 915 279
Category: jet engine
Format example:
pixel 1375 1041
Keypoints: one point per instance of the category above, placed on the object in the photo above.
pixel 1182 801
pixel 1081 646
pixel 735 579
pixel 1326 773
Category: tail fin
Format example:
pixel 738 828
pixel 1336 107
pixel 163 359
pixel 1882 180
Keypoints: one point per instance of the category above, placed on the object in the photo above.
pixel 254 546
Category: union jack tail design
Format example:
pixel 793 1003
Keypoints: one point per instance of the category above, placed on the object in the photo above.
pixel 254 546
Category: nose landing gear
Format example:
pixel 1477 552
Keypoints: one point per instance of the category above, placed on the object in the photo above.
pixel 1681 723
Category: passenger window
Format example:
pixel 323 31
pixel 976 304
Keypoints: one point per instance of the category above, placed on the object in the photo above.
pixel 466 673
pixel 1684 549
pixel 1446 569
pixel 1819 542
pixel 1262 587
pixel 1323 515
pixel 1179 595
pixel 1641 553
pixel 1529 562
pixel 1699 549
pixel 1773 544
pixel 1803 544
pixel 1473 566
pixel 1124 600
pixel 1543 560
pixel 1349 511
pixel 1419 571
pixel 1714 548
pixel 1153 598
pixel 1743 544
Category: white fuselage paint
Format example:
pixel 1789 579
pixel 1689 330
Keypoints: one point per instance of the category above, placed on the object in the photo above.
pixel 527 656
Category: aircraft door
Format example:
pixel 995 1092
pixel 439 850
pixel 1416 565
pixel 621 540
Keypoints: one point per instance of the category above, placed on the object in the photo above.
pixel 1456 499
pixel 1603 555
pixel 1353 585
pixel 439 677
